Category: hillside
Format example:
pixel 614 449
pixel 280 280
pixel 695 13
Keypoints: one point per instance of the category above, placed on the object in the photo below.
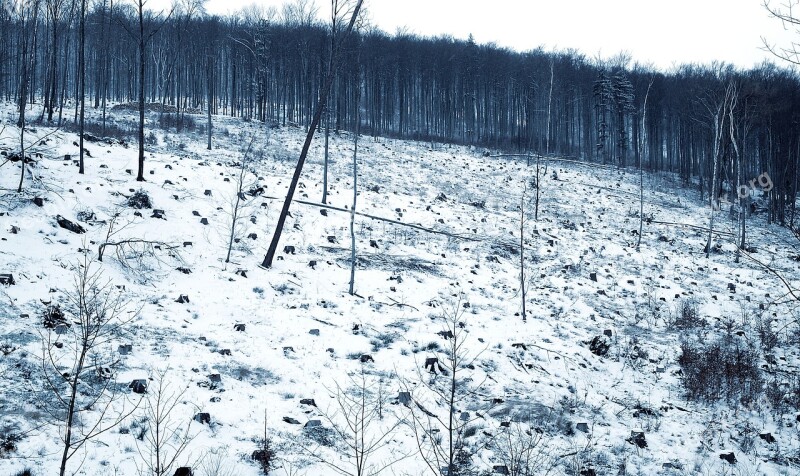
pixel 592 371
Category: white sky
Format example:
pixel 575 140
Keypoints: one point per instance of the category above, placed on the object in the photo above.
pixel 660 32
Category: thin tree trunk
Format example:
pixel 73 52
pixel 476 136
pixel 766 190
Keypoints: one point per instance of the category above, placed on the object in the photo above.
pixel 71 408
pixel 210 100
pixel 23 86
pixel 547 150
pixel 355 189
pixel 325 161
pixel 522 250
pixel 739 174
pixel 106 66
pixel 640 149
pixel 712 194
pixel 22 147
pixel 328 114
pixel 50 88
pixel 82 66
pixel 140 172
pixel 239 196
pixel 549 105
pixel 234 218
pixel 23 95
pixel 452 410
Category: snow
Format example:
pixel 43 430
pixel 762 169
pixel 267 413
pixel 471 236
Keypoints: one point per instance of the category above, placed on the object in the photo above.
pixel 586 218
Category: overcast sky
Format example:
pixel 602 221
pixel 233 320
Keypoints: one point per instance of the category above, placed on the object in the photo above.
pixel 661 32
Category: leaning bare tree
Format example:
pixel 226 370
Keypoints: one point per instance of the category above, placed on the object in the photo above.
pixel 323 99
pixel 78 366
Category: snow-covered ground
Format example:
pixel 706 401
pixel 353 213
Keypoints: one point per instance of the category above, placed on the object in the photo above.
pixel 304 336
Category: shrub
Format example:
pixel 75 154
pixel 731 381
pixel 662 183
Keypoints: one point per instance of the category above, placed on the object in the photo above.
pixel 264 456
pixel 321 435
pixel 766 334
pixel 86 215
pixel 687 316
pixel 151 138
pixel 726 369
pixel 53 316
pixel 783 393
pixel 94 130
pixel 383 340
pixel 180 122
pixel 140 199
pixel 9 437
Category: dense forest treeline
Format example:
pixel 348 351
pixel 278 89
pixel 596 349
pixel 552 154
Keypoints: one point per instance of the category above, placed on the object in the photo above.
pixel 711 124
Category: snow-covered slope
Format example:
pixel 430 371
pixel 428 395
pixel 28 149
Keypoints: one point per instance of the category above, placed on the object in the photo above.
pixel 304 336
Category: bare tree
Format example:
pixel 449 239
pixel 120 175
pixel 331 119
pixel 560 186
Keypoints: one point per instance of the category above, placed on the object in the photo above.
pixel 357 419
pixel 300 12
pixel 167 432
pixel 523 451
pixel 355 193
pixel 325 161
pixel 240 201
pixel 640 146
pixel 717 112
pixel 82 81
pixel 441 436
pixel 28 14
pixel 785 13
pixel 78 366
pixel 522 205
pixel 737 156
pixel 143 36
pixel 540 175
pixel 54 10
pixel 324 93
pixel 339 10
pixel 22 154
pixel 210 96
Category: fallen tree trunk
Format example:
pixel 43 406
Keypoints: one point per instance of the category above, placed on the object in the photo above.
pixel 387 220
pixel 694 227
